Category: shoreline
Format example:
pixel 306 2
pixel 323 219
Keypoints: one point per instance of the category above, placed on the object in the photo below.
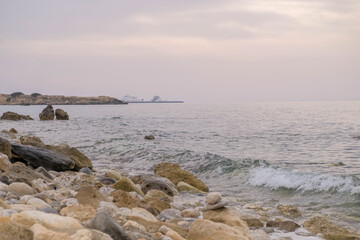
pixel 252 219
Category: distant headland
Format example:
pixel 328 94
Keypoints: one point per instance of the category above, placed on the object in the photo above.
pixel 155 99
pixel 19 98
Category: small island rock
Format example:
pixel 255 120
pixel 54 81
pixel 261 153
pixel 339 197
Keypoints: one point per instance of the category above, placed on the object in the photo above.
pixel 61 114
pixel 47 113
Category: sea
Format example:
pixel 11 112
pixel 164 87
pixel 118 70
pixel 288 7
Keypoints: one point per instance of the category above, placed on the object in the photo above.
pixel 269 153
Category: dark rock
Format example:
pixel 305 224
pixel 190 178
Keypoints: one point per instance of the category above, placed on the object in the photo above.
pixel 47 113
pixel 107 180
pixel 288 226
pixel 5 179
pixel 159 183
pixel 105 223
pixel 149 137
pixel 49 210
pixel 176 174
pixel 5 147
pixel 61 114
pixel 20 173
pixel 273 224
pixel 41 157
pixel 13 130
pixel 86 170
pixel 14 116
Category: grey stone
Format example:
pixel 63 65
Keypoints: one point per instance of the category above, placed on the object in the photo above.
pixel 168 214
pixel 86 170
pixel 105 223
pixel 159 183
pixel 218 205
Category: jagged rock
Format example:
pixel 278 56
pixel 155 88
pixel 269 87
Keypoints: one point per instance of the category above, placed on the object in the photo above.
pixel 74 154
pixel 10 230
pixel 289 211
pixel 124 199
pixel 47 113
pixel 41 157
pixel 160 183
pixel 175 174
pixel 14 116
pixel 61 114
pixel 5 164
pixel 80 212
pixel 208 230
pixel 89 195
pixel 331 231
pixel 105 223
pixel 32 141
pixel 5 147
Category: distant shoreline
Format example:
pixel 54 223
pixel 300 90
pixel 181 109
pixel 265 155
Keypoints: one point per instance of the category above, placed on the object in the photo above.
pixel 157 102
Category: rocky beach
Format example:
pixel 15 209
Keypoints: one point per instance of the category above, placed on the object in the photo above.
pixel 55 192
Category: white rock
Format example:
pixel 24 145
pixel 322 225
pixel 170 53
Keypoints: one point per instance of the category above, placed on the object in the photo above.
pixel 25 198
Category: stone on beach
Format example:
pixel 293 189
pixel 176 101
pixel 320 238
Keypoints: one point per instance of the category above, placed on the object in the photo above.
pixel 90 234
pixel 190 213
pixel 127 185
pixel 154 193
pixel 42 233
pixel 20 173
pixel 5 164
pixel 158 183
pixel 32 141
pixel 42 157
pixel 80 212
pixel 124 199
pixel 21 189
pixel 289 211
pixel 105 223
pixel 47 113
pixel 213 198
pixel 184 187
pixel 10 230
pixel 149 137
pixel 14 116
pixel 5 147
pixel 89 195
pixel 228 216
pixel 61 114
pixel 176 174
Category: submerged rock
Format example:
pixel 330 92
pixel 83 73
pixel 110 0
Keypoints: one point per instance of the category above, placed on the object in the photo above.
pixel 176 174
pixel 289 211
pixel 14 116
pixel 47 113
pixel 41 157
pixel 61 114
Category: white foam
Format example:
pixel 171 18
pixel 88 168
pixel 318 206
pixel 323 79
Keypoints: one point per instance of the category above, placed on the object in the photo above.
pixel 275 178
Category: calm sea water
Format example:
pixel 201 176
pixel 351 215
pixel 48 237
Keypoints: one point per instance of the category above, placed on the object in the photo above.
pixel 303 153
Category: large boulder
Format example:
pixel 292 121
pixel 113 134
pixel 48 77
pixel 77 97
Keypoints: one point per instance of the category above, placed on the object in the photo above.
pixel 42 157
pixel 5 147
pixel 78 157
pixel 176 174
pixel 208 230
pixel 14 116
pixel 331 231
pixel 47 113
pixel 105 223
pixel 61 114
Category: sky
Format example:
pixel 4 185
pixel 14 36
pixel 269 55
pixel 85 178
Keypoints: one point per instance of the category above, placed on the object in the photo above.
pixel 191 50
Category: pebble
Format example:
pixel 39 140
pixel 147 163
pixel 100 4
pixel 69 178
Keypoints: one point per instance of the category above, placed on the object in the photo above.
pixel 213 198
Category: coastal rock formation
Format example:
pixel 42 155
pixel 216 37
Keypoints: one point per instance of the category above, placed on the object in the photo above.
pixel 38 99
pixel 61 114
pixel 39 157
pixel 14 116
pixel 176 174
pixel 47 113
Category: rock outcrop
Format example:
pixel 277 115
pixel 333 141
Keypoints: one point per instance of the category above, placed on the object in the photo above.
pixel 15 116
pixel 38 99
pixel 47 113
pixel 61 114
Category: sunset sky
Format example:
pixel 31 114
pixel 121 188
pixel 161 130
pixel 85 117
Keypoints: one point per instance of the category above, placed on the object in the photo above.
pixel 196 51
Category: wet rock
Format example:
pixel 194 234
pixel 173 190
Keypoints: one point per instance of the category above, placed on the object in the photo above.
pixel 208 230
pixel 175 174
pixel 105 223
pixel 50 221
pixel 47 113
pixel 127 185
pixel 80 212
pixel 21 189
pixel 42 233
pixel 218 205
pixel 259 234
pixel 86 170
pixel 5 164
pixel 89 195
pixel 13 130
pixel 14 116
pixel 80 159
pixel 288 226
pixel 303 232
pixel 74 181
pixel 329 230
pixel 213 198
pixel 32 141
pixel 289 211
pixel 5 147
pixel 253 222
pixel 61 114
pixel 10 230
pixel 228 216
pixel 41 157
pixel 149 137
pixel 158 183
pixel 20 173
pixel 190 213
pixel 169 214
pixel 124 199
pixel 184 187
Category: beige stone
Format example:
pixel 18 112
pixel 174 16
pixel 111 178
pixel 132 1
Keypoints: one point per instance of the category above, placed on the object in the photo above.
pixel 80 212
pixel 190 213
pixel 89 195
pixel 90 234
pixel 37 203
pixel 185 187
pixel 13 231
pixel 142 213
pixel 21 189
pixel 213 198
pixel 127 185
pixel 174 235
pixel 42 233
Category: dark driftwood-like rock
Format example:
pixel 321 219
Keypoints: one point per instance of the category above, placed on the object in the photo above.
pixel 39 157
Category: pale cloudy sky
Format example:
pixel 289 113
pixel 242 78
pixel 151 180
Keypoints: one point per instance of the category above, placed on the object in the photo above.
pixel 194 50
